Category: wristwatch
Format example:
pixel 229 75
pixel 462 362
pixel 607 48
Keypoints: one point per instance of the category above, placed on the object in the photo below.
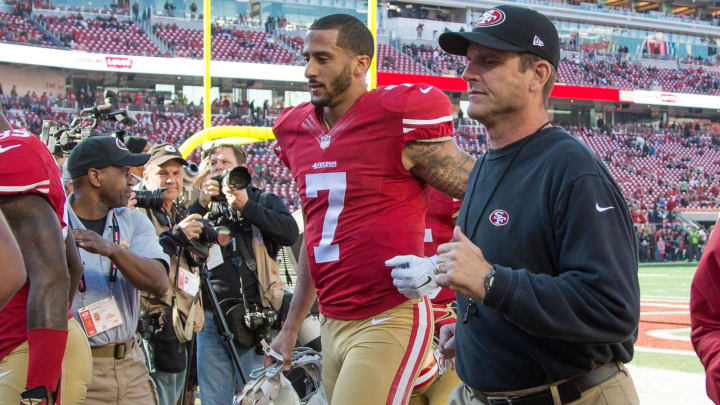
pixel 489 279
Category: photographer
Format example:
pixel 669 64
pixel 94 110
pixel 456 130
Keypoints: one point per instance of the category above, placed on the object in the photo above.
pixel 121 257
pixel 246 273
pixel 169 321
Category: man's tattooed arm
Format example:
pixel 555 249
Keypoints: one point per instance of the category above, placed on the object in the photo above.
pixel 442 164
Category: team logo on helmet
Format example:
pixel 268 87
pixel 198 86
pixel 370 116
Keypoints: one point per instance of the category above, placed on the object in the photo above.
pixel 499 218
pixel 490 18
pixel 120 144
pixel 170 148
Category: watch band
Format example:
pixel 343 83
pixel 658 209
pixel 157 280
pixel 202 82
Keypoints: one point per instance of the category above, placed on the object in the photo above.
pixel 489 279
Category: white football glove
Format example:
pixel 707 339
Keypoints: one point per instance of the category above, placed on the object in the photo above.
pixel 413 276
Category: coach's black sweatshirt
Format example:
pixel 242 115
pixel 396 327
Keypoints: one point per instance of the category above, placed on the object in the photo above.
pixel 565 298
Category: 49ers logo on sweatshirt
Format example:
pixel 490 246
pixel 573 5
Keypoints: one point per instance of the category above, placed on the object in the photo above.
pixel 499 218
pixel 490 18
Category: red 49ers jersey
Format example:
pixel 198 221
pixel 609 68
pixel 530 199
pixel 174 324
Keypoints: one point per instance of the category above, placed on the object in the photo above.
pixel 27 166
pixel 361 206
pixel 439 220
pixel 439 224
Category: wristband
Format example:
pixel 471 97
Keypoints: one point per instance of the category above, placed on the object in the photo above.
pixel 46 349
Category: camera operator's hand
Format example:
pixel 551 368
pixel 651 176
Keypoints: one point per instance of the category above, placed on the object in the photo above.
pixel 132 201
pixel 210 188
pixel 236 198
pixel 191 226
pixel 93 243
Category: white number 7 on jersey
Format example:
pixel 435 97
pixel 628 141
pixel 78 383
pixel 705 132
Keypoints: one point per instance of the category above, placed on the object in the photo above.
pixel 336 183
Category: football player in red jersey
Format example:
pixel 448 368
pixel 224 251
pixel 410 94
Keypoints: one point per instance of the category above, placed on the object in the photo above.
pixel 11 263
pixel 37 342
pixel 361 160
pixel 436 380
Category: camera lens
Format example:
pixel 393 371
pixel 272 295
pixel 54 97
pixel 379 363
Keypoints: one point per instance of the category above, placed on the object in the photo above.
pixel 151 200
pixel 215 234
pixel 238 178
pixel 192 169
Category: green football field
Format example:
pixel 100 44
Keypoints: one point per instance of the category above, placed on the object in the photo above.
pixel 667 283
pixel 670 285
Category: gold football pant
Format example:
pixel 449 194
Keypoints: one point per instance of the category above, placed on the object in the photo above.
pixel 76 370
pixel 376 360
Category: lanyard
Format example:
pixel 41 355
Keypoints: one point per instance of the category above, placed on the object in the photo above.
pixel 167 217
pixel 113 268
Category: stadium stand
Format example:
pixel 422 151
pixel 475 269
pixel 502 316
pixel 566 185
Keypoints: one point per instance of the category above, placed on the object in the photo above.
pixel 660 170
pixel 227 44
pixel 100 34
pixel 390 59
pixel 17 29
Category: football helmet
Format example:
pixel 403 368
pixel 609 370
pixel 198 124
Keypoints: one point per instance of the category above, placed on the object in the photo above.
pixel 269 386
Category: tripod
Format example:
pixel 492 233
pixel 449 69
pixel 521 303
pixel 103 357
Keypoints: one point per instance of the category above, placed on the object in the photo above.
pixel 224 329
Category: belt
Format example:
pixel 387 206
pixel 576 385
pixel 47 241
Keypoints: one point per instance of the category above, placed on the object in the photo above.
pixel 569 390
pixel 115 350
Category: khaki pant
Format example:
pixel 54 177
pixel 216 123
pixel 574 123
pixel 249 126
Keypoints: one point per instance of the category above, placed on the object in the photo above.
pixel 76 370
pixel 438 392
pixel 617 390
pixel 376 360
pixel 121 382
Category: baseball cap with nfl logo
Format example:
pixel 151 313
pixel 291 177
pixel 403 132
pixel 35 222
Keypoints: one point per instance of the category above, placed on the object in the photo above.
pixel 508 28
pixel 99 152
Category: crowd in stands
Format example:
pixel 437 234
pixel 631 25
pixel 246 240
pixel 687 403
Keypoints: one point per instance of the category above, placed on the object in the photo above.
pixel 436 59
pixel 230 44
pixel 100 34
pixel 627 75
pixel 109 34
pixel 14 29
pixel 670 241
pixel 25 7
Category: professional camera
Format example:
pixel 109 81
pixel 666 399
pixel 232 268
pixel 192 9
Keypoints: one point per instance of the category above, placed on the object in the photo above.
pixel 259 318
pixel 146 325
pixel 237 178
pixel 61 138
pixel 209 235
pixel 151 200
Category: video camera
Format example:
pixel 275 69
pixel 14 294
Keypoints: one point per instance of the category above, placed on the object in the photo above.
pixel 236 178
pixel 61 138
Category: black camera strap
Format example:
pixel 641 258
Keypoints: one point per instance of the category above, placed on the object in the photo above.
pixel 241 248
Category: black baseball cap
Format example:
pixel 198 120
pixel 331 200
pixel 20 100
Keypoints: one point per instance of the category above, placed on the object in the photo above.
pixel 508 28
pixel 99 152
pixel 165 152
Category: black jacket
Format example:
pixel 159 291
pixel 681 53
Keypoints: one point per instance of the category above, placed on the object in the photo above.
pixel 268 213
pixel 547 214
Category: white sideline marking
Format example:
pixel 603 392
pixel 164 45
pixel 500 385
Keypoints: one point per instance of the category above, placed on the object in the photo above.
pixel 665 351
pixel 669 334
